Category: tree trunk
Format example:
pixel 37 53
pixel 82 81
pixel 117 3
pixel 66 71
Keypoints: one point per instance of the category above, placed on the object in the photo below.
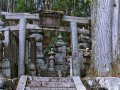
pixel 10 6
pixel 115 30
pixel 0 9
pixel 116 36
pixel 101 38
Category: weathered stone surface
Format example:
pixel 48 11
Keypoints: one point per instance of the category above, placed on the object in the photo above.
pixel 36 17
pixel 51 79
pixel 109 83
pixel 22 83
pixel 34 84
pixel 78 83
pixel 84 45
pixel 6 70
pixel 22 36
pixel 51 83
pixel 58 84
pixel 43 88
pixel 75 53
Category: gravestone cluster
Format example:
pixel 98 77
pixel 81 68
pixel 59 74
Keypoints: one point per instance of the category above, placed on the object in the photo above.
pixel 84 50
pixel 21 48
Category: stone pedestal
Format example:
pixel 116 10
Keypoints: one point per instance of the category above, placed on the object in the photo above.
pixel 6 68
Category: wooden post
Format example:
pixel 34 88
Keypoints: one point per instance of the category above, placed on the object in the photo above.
pixel 33 51
pixel 27 52
pixel 75 55
pixel 22 35
pixel 6 69
pixel 1 51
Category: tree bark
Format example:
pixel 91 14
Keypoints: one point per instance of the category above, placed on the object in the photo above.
pixel 10 6
pixel 0 9
pixel 101 38
pixel 115 30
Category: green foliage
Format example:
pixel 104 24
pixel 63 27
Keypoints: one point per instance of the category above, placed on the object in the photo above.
pixel 22 6
pixel 88 1
pixel 60 5
pixel 73 7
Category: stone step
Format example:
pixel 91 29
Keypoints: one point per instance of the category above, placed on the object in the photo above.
pixel 49 73
pixel 51 84
pixel 50 79
pixel 43 88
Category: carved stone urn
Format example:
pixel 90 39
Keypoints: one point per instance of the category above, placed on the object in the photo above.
pixel 50 18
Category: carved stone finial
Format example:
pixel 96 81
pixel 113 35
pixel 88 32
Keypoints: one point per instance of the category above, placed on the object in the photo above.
pixel 60 41
pixel 51 51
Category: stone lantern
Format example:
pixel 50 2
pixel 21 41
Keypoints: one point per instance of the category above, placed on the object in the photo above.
pixel 61 64
pixel 51 60
pixel 60 51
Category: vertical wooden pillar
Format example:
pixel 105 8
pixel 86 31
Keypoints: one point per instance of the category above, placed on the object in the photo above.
pixel 1 55
pixel 1 51
pixel 1 42
pixel 6 42
pixel 75 55
pixel 33 51
pixel 27 52
pixel 22 35
pixel 6 69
